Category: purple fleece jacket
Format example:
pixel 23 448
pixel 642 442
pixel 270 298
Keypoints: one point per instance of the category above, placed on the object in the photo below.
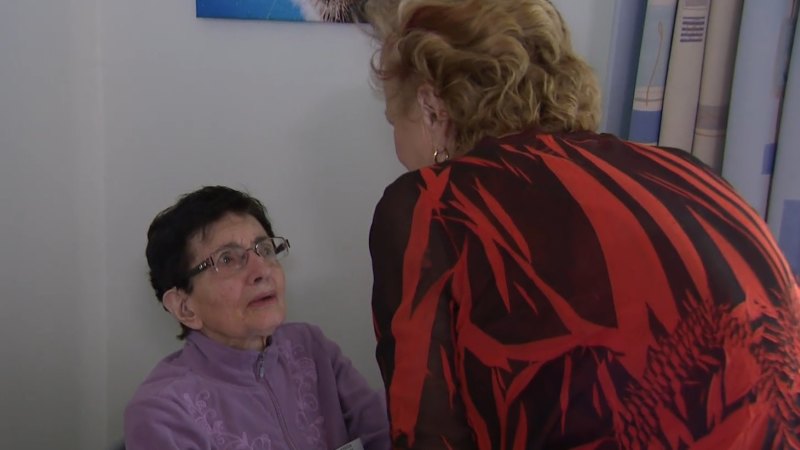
pixel 300 393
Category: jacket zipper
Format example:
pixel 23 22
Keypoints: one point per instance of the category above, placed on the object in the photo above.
pixel 280 416
pixel 284 428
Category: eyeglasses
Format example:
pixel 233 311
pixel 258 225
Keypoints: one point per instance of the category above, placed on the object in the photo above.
pixel 229 260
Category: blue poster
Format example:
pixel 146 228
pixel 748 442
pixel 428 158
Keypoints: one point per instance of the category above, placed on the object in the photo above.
pixel 289 10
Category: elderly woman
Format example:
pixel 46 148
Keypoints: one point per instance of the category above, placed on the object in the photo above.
pixel 540 285
pixel 244 379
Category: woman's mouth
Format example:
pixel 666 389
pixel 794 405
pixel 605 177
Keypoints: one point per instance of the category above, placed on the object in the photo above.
pixel 262 300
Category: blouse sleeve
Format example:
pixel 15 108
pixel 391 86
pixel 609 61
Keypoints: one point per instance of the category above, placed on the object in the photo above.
pixel 412 261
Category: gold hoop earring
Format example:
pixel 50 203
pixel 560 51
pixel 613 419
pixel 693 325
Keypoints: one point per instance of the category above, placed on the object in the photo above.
pixel 440 155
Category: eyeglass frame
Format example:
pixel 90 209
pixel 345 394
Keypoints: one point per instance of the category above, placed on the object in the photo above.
pixel 210 263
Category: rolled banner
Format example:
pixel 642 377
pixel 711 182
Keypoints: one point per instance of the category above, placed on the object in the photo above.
pixel 758 82
pixel 651 77
pixel 618 91
pixel 784 198
pixel 682 92
pixel 715 84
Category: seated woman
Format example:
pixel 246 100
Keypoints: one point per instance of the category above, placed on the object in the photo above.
pixel 244 379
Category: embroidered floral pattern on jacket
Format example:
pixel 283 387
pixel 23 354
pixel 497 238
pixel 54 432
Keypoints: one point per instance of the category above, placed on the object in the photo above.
pixel 303 374
pixel 206 418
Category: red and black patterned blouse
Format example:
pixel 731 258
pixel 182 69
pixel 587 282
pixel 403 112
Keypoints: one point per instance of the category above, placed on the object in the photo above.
pixel 579 291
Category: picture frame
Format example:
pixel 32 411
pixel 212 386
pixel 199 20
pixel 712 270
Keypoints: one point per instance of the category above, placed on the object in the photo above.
pixel 340 11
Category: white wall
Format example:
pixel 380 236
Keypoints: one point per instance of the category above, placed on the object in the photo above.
pixel 108 111
pixel 52 319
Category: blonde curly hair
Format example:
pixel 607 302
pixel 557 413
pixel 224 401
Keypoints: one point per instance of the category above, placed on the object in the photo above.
pixel 499 66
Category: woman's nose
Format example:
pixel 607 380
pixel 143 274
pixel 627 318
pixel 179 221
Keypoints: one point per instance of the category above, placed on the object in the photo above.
pixel 258 267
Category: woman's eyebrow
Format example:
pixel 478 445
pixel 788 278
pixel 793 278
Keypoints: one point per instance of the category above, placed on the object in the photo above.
pixel 233 244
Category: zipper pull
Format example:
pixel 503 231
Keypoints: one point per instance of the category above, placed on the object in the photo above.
pixel 260 366
pixel 260 361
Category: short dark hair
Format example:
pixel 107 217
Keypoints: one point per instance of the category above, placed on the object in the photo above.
pixel 169 234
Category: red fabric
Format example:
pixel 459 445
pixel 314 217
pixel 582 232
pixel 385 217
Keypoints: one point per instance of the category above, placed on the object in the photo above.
pixel 578 291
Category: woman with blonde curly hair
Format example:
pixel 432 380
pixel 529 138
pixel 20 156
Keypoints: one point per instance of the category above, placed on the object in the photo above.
pixel 540 285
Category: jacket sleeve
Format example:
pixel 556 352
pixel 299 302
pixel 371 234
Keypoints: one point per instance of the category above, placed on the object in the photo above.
pixel 160 423
pixel 413 313
pixel 363 408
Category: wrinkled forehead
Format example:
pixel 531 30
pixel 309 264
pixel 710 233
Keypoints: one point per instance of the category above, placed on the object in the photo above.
pixel 231 229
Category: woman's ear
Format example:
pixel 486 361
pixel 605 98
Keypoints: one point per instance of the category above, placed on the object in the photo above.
pixel 176 301
pixel 434 112
pixel 435 118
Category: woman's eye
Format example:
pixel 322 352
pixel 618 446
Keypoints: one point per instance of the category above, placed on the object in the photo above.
pixel 225 259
